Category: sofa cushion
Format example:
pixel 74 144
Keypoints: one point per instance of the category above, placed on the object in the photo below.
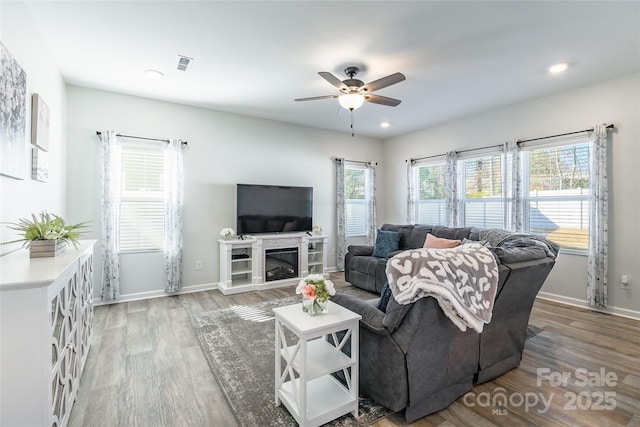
pixel 386 242
pixel 451 233
pixel 418 236
pixel 405 233
pixel 510 255
pixel 384 297
pixel 440 243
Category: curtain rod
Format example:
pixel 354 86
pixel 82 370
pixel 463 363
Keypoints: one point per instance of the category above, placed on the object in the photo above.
pixel 457 152
pixel 356 161
pixel 561 134
pixel 141 137
pixel 611 126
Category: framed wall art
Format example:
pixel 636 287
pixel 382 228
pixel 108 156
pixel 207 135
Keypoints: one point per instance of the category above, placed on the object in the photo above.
pixel 39 122
pixel 13 116
pixel 39 164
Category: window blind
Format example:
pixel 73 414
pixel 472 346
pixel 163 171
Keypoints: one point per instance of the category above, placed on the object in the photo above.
pixel 557 201
pixel 430 193
pixel 142 198
pixel 481 202
pixel 354 185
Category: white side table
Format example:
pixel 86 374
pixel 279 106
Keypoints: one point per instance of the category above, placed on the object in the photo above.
pixel 305 385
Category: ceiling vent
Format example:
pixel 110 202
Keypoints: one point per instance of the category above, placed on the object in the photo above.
pixel 183 62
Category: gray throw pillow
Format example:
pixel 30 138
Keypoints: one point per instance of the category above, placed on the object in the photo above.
pixel 386 242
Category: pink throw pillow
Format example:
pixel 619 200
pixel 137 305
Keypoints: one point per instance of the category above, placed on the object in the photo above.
pixel 440 243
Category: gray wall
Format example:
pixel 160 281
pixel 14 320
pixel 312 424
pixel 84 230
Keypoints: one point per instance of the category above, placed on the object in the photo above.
pixel 224 149
pixel 19 198
pixel 616 101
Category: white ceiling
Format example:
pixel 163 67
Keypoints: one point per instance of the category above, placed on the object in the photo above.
pixel 254 58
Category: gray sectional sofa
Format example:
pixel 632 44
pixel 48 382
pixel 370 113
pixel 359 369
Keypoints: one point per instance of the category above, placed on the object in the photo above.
pixel 412 356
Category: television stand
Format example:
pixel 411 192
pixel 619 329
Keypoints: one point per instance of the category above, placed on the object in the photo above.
pixel 268 261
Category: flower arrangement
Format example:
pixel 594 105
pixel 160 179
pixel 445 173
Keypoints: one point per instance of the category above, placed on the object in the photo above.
pixel 46 226
pixel 227 233
pixel 315 290
pixel 317 230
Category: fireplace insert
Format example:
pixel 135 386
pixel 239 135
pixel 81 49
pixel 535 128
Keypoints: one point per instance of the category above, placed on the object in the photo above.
pixel 280 264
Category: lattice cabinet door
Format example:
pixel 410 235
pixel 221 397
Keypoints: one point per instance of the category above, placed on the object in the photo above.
pixel 63 322
pixel 85 308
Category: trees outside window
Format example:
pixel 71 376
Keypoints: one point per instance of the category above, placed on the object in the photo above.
pixel 557 200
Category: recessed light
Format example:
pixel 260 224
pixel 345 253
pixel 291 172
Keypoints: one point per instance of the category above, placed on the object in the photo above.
pixel 384 124
pixel 558 68
pixel 154 74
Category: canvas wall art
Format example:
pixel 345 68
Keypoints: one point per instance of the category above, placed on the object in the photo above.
pixel 13 116
pixel 39 164
pixel 39 122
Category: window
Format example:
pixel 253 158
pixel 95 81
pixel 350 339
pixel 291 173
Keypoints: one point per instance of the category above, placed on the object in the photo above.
pixel 354 188
pixel 481 201
pixel 430 198
pixel 557 200
pixel 142 198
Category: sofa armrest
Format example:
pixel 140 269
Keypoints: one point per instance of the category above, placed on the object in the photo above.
pixel 371 316
pixel 360 250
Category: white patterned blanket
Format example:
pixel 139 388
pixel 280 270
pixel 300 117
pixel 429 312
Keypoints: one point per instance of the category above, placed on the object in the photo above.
pixel 463 280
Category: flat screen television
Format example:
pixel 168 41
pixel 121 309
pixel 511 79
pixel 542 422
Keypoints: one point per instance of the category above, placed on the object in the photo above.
pixel 273 209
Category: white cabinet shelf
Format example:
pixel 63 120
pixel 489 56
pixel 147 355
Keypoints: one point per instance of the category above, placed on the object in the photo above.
pixel 46 314
pixel 237 265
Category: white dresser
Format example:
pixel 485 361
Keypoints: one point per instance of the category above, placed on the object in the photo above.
pixel 46 312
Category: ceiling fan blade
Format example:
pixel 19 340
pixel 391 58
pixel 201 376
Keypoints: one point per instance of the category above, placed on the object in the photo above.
pixel 382 100
pixel 384 82
pixel 333 80
pixel 313 98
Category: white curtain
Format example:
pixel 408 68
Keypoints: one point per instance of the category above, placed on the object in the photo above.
pixel 514 194
pixel 451 188
pixel 411 196
pixel 341 241
pixel 173 206
pixel 110 176
pixel 370 203
pixel 598 220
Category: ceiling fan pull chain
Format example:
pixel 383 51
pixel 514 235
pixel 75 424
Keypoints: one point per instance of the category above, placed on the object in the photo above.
pixel 352 134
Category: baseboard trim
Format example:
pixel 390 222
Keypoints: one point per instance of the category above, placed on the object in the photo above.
pixel 575 302
pixel 157 294
pixel 186 290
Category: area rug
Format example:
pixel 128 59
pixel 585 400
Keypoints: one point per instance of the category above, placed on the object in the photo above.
pixel 239 344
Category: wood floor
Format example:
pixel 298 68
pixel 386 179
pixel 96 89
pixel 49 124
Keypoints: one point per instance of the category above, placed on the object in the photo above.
pixel 145 368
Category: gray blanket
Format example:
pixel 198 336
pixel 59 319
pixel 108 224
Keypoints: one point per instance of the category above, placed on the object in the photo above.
pixel 463 280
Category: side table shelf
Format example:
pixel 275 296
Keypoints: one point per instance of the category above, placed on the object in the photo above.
pixel 304 383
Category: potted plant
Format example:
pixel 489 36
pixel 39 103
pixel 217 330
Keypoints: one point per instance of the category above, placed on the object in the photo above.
pixel 46 234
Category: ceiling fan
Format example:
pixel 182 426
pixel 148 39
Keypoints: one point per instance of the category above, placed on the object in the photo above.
pixel 354 92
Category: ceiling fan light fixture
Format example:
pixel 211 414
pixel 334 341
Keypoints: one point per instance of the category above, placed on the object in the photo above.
pixel 351 101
